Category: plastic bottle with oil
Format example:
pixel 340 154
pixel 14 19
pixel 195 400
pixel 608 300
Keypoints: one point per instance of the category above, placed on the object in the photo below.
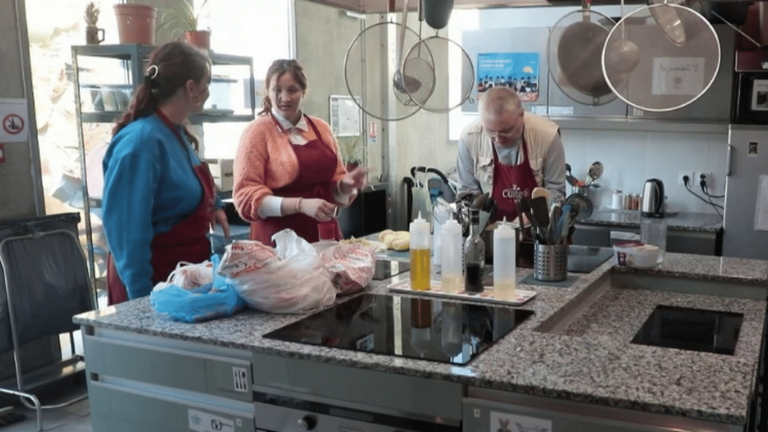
pixel 421 267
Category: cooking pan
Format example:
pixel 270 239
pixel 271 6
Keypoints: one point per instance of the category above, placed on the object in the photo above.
pixel 574 53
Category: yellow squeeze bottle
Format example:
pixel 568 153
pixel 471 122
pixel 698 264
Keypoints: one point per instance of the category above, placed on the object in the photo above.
pixel 421 266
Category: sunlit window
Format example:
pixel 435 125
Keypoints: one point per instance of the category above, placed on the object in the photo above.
pixel 260 29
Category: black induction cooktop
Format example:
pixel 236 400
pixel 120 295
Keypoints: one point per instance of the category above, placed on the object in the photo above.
pixel 691 329
pixel 437 330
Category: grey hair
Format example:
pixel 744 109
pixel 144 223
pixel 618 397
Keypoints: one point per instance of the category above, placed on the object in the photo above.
pixel 498 100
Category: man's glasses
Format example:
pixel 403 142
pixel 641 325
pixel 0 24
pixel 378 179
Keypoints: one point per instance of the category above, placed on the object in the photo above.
pixel 509 133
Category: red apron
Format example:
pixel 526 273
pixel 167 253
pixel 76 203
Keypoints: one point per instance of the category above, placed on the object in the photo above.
pixel 317 166
pixel 186 241
pixel 510 183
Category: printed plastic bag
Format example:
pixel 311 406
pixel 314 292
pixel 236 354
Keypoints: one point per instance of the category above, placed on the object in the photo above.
pixel 288 279
pixel 351 266
pixel 189 276
pixel 217 299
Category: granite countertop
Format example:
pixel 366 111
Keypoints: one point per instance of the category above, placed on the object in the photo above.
pixel 590 361
pixel 705 222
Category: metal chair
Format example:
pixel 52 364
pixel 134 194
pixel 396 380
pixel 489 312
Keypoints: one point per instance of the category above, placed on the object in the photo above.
pixel 44 283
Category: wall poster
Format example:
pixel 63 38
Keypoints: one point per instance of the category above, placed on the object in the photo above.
pixel 346 116
pixel 678 76
pixel 519 71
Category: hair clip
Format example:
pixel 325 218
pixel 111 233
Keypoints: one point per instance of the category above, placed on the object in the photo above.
pixel 152 71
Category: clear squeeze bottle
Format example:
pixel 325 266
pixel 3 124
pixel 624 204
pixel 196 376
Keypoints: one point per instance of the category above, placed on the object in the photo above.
pixel 420 251
pixel 504 264
pixel 450 258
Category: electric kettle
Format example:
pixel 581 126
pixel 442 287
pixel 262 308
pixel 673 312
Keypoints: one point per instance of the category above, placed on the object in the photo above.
pixel 653 199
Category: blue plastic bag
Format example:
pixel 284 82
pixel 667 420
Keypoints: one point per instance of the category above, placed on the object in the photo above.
pixel 216 300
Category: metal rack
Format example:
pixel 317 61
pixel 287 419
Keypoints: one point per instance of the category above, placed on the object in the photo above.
pixel 133 57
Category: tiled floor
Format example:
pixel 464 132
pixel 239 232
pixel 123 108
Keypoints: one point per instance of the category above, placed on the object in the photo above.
pixel 74 418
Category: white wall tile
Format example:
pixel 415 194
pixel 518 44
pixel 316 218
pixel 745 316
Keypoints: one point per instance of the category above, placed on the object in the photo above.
pixel 631 157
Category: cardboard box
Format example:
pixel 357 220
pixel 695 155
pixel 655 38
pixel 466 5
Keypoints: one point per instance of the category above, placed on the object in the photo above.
pixel 222 172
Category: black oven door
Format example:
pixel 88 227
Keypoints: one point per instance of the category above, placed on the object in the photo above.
pixel 750 101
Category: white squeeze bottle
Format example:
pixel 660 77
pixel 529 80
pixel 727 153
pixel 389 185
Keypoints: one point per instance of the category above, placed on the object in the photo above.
pixel 450 257
pixel 421 244
pixel 504 262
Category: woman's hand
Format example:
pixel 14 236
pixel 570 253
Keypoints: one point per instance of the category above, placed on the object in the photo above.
pixel 319 209
pixel 353 180
pixel 220 217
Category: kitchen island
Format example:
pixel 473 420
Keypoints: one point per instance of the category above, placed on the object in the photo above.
pixel 569 363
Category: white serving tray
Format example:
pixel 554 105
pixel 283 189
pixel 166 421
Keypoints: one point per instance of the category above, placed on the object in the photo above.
pixel 521 296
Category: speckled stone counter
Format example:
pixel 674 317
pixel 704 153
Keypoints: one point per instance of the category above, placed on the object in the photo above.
pixel 590 361
pixel 705 222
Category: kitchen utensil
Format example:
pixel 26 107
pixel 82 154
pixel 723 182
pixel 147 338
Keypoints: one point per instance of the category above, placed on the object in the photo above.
pixel 420 69
pixel 479 202
pixel 564 225
pixel 541 192
pixel 524 207
pixel 452 57
pixel 573 181
pixel 670 74
pixel 669 21
pixel 356 75
pixel 555 211
pixel 594 173
pixel 540 211
pixel 622 56
pixel 550 262
pixel 581 204
pixel 574 49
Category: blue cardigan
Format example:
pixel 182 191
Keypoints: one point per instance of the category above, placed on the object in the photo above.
pixel 149 187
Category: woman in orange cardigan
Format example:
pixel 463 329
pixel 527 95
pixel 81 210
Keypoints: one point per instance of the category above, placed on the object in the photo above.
pixel 287 171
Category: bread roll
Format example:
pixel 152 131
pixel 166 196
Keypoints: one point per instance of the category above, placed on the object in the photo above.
pixel 384 233
pixel 401 244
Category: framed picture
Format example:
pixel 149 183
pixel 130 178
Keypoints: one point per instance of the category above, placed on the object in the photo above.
pixel 760 95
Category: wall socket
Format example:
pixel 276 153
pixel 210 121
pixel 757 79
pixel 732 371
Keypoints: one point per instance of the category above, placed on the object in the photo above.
pixel 708 177
pixel 690 178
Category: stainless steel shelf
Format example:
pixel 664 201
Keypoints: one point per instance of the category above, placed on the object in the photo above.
pixel 101 117
pixel 216 118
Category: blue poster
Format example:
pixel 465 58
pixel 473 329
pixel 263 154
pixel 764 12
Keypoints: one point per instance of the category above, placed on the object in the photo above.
pixel 519 71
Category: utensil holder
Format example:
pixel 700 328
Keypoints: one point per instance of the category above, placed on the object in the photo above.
pixel 550 262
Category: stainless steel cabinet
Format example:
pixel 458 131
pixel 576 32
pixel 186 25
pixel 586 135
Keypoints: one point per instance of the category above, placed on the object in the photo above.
pixel 678 240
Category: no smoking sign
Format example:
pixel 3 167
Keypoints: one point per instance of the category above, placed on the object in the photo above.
pixel 13 124
pixel 13 120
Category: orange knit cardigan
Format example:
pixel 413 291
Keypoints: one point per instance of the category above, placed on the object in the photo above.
pixel 265 161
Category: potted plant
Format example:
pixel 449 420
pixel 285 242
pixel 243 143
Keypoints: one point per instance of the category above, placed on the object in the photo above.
pixel 93 34
pixel 135 23
pixel 350 148
pixel 186 19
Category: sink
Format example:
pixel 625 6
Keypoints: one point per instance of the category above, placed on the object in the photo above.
pixel 629 308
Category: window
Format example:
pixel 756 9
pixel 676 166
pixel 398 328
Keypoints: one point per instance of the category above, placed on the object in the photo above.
pixel 261 29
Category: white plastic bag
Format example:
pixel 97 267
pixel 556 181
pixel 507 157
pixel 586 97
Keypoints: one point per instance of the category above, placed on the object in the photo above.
pixel 188 276
pixel 288 279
